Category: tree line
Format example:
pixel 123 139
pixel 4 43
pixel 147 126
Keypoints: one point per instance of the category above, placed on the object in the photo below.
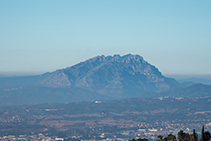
pixel 182 136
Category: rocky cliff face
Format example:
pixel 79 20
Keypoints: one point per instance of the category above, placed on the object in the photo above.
pixel 116 76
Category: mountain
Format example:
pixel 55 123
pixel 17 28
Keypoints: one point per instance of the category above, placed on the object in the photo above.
pixel 115 76
pixel 98 78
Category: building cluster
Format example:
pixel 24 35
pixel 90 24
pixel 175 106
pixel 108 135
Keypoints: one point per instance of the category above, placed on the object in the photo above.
pixel 150 134
pixel 38 137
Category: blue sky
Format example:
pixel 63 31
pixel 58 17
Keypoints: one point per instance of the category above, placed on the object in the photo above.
pixel 41 36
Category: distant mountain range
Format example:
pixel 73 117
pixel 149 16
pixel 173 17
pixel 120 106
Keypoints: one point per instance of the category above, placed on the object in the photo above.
pixel 195 90
pixel 99 78
pixel 196 80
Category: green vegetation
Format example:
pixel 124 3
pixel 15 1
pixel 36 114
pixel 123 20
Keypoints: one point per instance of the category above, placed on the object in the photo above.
pixel 205 136
pixel 170 137
pixel 139 139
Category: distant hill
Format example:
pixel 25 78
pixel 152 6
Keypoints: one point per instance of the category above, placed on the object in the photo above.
pixel 196 80
pixel 196 90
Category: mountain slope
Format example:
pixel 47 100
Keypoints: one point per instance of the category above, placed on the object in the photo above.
pixel 116 76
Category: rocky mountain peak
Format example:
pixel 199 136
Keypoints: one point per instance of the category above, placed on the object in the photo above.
pixel 111 75
pixel 129 58
pixel 133 59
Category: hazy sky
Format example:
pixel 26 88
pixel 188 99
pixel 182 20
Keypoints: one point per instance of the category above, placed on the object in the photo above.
pixel 38 36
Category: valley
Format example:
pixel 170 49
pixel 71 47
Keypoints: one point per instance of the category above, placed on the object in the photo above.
pixel 88 120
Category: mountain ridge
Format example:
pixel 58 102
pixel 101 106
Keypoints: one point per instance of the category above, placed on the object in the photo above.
pixel 110 73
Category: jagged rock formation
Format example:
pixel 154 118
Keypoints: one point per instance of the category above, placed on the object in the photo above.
pixel 116 76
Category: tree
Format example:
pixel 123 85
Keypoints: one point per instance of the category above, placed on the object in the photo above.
pixel 194 136
pixel 206 136
pixel 202 133
pixel 133 140
pixel 139 139
pixel 171 137
pixel 183 136
pixel 180 134
pixel 160 137
pixel 165 139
